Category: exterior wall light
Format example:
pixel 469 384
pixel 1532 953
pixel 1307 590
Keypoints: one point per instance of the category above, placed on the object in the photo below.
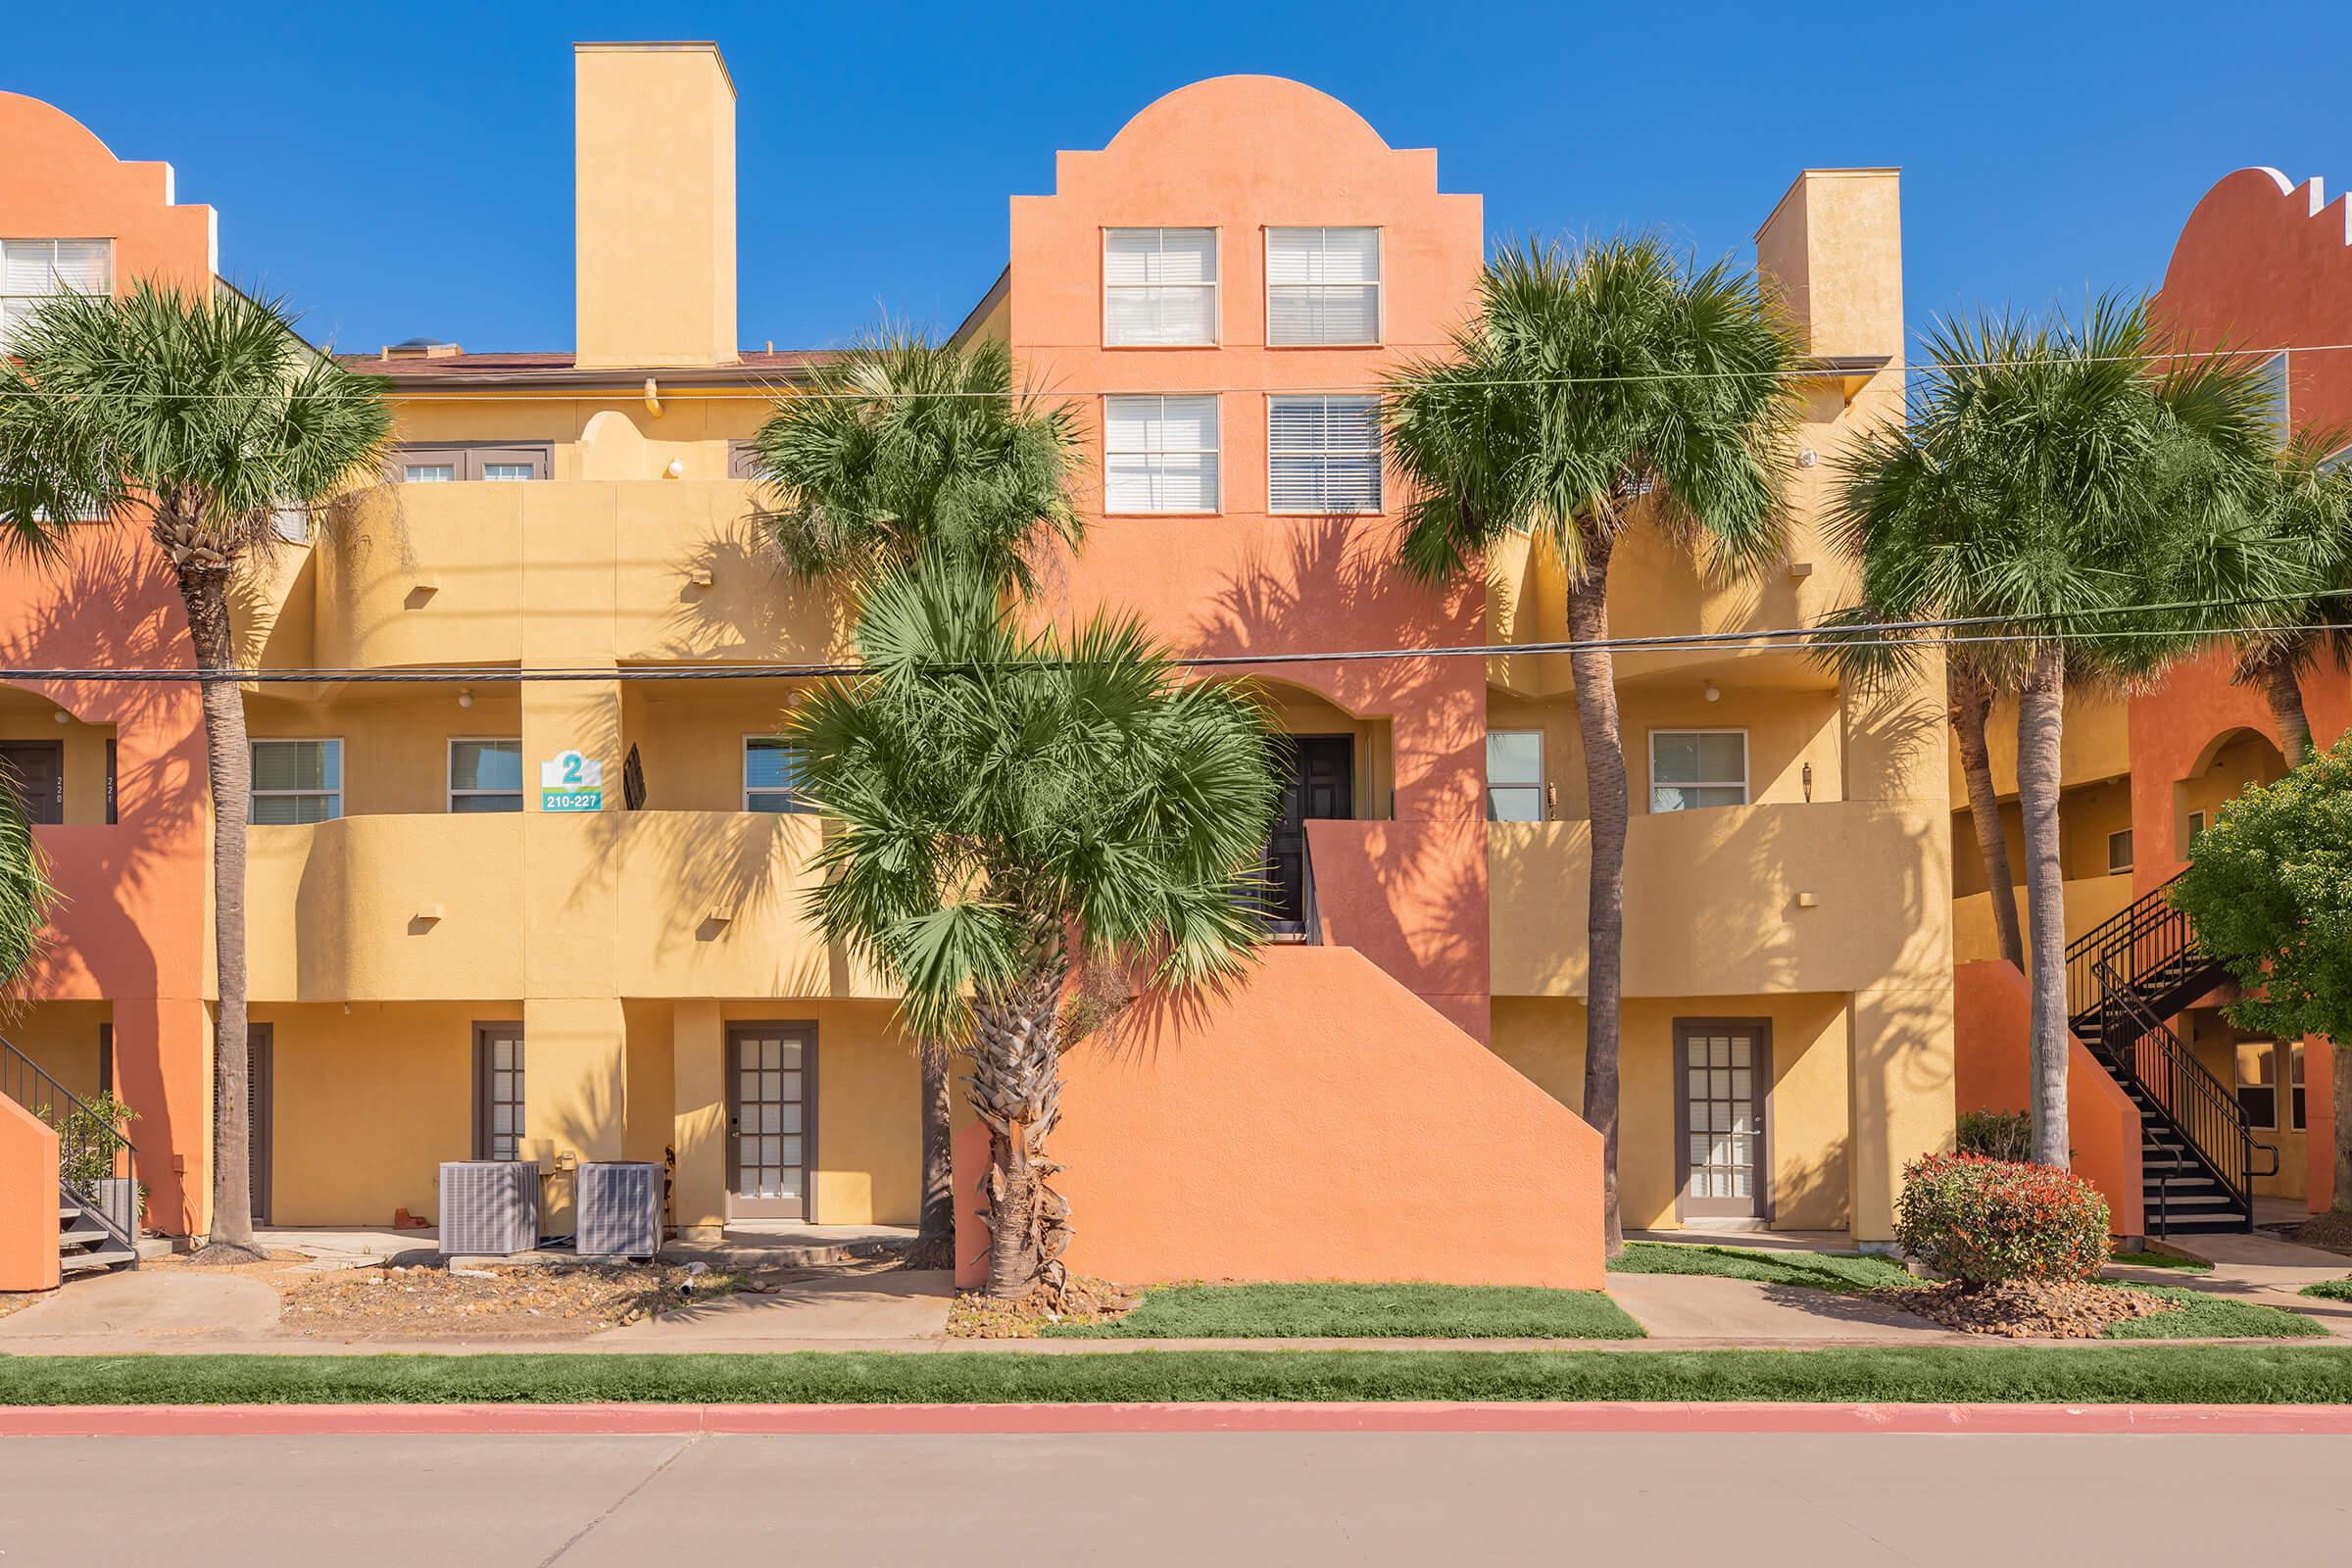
pixel 1714 693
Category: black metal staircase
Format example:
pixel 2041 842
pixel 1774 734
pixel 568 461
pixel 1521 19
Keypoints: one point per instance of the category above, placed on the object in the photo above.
pixel 2123 981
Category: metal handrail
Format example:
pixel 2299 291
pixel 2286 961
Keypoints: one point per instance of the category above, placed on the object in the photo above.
pixel 2196 1106
pixel 2138 939
pixel 85 1145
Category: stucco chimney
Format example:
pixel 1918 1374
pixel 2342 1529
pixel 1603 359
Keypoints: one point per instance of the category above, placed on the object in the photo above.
pixel 1834 247
pixel 655 174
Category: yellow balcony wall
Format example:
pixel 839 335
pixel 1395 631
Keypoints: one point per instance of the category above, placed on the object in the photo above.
pixel 435 906
pixel 2090 899
pixel 581 572
pixel 1715 900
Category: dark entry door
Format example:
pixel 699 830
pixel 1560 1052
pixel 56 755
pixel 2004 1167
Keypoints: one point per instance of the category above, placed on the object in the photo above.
pixel 771 1096
pixel 260 1107
pixel 1322 784
pixel 37 770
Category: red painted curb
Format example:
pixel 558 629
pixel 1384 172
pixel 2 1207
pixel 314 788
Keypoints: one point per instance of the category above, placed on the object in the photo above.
pixel 468 1420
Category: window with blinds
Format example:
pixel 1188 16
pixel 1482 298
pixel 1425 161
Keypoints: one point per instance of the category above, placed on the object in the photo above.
pixel 1323 454
pixel 1159 453
pixel 1159 287
pixel 297 781
pixel 1691 770
pixel 1322 287
pixel 772 775
pixel 485 775
pixel 34 270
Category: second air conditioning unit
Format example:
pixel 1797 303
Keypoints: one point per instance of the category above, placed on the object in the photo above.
pixel 619 1209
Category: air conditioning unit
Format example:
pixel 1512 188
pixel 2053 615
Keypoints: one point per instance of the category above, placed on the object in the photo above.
pixel 489 1207
pixel 619 1209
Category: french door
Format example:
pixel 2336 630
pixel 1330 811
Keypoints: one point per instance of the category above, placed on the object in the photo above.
pixel 772 1125
pixel 1723 1070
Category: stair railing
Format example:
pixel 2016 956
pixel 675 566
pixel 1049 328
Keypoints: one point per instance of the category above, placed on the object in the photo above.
pixel 2194 1103
pixel 95 1162
pixel 2143 937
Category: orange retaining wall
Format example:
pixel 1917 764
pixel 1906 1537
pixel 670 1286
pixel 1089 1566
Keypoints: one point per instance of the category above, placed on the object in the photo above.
pixel 1318 1123
pixel 27 1201
pixel 1990 1032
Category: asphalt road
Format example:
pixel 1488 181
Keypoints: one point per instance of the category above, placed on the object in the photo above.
pixel 1191 1498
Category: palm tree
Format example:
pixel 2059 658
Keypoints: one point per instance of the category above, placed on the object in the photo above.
pixel 2096 500
pixel 1600 386
pixel 901 446
pixel 199 418
pixel 1967 693
pixel 2313 516
pixel 1008 806
pixel 25 896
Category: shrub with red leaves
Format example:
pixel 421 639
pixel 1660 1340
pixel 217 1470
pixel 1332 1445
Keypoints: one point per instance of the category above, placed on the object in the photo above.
pixel 1981 1221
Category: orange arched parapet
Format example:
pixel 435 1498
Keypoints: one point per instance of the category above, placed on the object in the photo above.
pixel 131 931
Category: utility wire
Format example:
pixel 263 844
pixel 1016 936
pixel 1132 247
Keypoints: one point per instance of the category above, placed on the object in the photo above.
pixel 1952 631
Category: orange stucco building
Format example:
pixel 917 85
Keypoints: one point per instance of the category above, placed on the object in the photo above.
pixel 1219 293
pixel 117 769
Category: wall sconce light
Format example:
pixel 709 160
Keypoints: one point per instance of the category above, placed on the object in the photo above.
pixel 1714 693
pixel 676 470
pixel 464 698
pixel 64 717
pixel 699 576
pixel 1806 900
pixel 1800 569
pixel 1806 457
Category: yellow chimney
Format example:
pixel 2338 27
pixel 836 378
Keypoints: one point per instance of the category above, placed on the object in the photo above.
pixel 1834 247
pixel 654 172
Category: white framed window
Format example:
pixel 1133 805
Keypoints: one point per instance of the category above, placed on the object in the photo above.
pixel 428 473
pixel 485 775
pixel 1159 287
pixel 1691 770
pixel 1323 454
pixel 772 775
pixel 34 270
pixel 2119 851
pixel 2274 396
pixel 1515 775
pixel 1322 287
pixel 465 462
pixel 297 780
pixel 1159 453
pixel 508 472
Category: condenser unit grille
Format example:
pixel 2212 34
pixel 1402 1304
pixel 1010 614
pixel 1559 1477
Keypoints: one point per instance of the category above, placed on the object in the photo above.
pixel 489 1207
pixel 621 1209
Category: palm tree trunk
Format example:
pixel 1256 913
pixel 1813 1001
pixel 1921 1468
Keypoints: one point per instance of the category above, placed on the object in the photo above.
pixel 2285 695
pixel 1017 1089
pixel 1595 674
pixel 1970 697
pixel 2040 733
pixel 935 1231
pixel 229 767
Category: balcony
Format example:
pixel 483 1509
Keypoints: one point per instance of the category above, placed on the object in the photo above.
pixel 648 903
pixel 574 572
pixel 1732 901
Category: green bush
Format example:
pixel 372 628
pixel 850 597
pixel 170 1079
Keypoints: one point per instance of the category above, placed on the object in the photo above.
pixel 1996 1134
pixel 1981 1221
pixel 92 1136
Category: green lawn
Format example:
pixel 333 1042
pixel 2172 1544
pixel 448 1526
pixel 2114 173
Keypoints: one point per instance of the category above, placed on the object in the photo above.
pixel 1847 1273
pixel 2206 1316
pixel 2330 1289
pixel 2264 1374
pixel 1362 1313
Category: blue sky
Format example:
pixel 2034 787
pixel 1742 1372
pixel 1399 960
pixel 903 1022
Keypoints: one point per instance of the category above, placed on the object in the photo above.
pixel 405 169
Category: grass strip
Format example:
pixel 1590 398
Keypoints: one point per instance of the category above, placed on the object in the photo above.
pixel 2266 1374
pixel 2329 1289
pixel 1361 1312
pixel 2204 1315
pixel 1844 1273
pixel 2171 1260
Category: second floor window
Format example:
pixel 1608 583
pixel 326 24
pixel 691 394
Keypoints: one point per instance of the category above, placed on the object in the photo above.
pixel 2119 853
pixel 420 464
pixel 1694 768
pixel 1159 287
pixel 1323 454
pixel 772 775
pixel 34 270
pixel 1515 775
pixel 297 781
pixel 1159 453
pixel 485 775
pixel 1322 287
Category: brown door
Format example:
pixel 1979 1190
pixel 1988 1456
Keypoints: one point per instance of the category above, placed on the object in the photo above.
pixel 771 1123
pixel 37 770
pixel 259 1107
pixel 1321 785
pixel 1723 1069
pixel 498 1080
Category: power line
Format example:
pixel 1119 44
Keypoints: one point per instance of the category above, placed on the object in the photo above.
pixel 1950 631
pixel 757 390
